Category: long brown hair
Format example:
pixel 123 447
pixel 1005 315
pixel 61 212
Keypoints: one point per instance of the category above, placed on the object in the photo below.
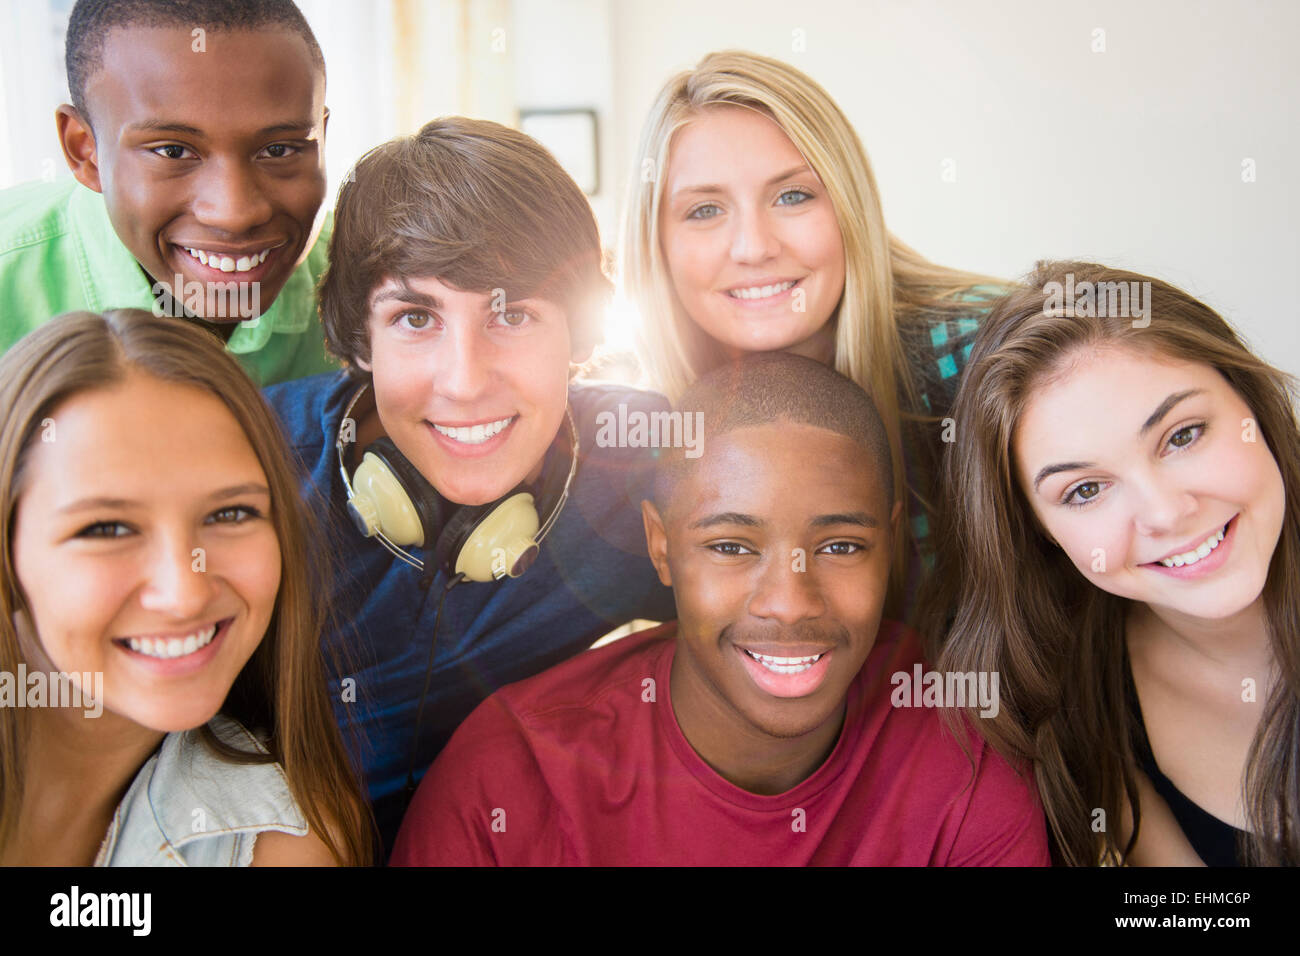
pixel 281 691
pixel 1024 610
pixel 892 294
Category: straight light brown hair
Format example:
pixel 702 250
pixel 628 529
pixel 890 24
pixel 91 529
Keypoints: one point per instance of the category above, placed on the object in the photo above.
pixel 281 691
pixel 1023 610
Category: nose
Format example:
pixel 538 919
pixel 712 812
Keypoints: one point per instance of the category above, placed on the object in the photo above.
pixel 784 594
pixel 178 582
pixel 463 372
pixel 1163 507
pixel 230 198
pixel 753 240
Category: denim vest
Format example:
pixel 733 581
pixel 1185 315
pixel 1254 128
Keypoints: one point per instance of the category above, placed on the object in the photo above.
pixel 189 807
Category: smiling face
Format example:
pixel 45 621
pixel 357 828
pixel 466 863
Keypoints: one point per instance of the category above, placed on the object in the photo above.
pixel 749 235
pixel 472 396
pixel 1149 460
pixel 104 549
pixel 779 595
pixel 211 163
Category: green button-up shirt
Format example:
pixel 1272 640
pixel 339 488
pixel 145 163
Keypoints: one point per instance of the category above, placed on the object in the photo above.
pixel 59 253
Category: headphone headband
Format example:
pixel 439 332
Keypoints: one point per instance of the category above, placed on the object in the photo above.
pixel 396 550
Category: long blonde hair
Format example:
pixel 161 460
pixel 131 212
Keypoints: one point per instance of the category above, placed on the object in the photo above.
pixel 281 691
pixel 887 285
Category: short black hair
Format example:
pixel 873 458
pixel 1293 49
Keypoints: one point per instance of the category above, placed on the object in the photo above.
pixel 91 21
pixel 765 387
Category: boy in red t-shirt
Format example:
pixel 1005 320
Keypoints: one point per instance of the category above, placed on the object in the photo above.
pixel 760 728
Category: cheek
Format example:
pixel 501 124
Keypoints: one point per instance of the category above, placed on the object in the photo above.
pixel 1095 547
pixel 824 247
pixel 301 196
pixel 252 569
pixel 707 596
pixel 400 383
pixel 73 604
pixel 688 259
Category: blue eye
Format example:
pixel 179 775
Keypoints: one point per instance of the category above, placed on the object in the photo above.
pixel 699 212
pixel 801 196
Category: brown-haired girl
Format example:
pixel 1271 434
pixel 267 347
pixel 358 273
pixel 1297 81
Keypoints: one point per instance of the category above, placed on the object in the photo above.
pixel 1124 515
pixel 152 541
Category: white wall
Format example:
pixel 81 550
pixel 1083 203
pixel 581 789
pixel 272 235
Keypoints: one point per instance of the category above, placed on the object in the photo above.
pixel 1132 156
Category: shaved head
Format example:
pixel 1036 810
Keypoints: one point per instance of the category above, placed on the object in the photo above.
pixel 769 387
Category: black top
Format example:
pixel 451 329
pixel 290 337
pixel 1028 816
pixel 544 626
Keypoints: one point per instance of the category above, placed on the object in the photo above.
pixel 1214 841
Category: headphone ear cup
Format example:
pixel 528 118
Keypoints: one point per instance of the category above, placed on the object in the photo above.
pixel 428 504
pixel 490 542
pixel 456 532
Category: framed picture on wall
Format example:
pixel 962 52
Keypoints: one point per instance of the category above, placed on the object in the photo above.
pixel 572 137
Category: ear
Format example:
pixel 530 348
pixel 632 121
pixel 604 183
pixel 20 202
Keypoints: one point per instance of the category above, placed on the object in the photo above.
pixel 364 365
pixel 325 124
pixel 656 540
pixel 78 142
pixel 895 520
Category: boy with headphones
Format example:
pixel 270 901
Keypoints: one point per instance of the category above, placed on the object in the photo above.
pixel 766 725
pixel 480 530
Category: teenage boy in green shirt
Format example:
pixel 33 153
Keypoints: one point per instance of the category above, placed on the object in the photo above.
pixel 196 138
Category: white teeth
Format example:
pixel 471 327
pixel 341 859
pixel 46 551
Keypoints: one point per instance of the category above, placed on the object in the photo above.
pixel 474 434
pixel 169 647
pixel 785 665
pixel 1199 552
pixel 215 260
pixel 760 292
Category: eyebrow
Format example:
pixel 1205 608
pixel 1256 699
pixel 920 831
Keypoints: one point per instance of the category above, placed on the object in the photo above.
pixel 113 504
pixel 860 518
pixel 714 188
pixel 405 294
pixel 184 129
pixel 726 517
pixel 1163 409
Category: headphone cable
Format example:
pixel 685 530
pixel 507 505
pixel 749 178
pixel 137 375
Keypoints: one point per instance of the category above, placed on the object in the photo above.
pixel 428 674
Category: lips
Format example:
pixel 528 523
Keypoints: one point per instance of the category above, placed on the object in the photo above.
pixel 762 291
pixel 474 434
pixel 787 671
pixel 227 262
pixel 1205 562
pixel 1195 551
pixel 472 440
pixel 176 653
pixel 248 263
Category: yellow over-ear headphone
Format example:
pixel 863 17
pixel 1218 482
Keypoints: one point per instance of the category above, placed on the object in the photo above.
pixel 390 500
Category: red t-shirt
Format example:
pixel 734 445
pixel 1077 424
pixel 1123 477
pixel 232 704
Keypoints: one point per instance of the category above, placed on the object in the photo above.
pixel 584 764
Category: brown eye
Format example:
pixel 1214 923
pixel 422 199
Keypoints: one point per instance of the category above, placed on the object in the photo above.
pixel 1185 436
pixel 415 320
